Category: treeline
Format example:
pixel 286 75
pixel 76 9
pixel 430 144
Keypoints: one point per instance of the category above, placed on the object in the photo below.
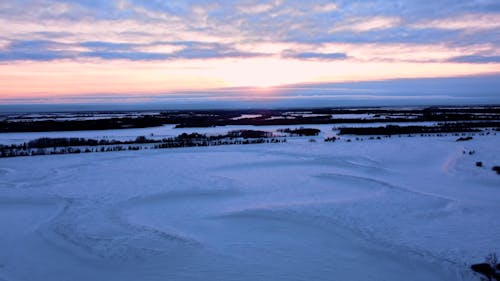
pixel 211 118
pixel 80 125
pixel 301 131
pixel 400 130
pixel 324 116
pixel 52 146
pixel 65 142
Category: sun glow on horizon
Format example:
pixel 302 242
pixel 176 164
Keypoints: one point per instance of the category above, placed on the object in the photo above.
pixel 65 78
pixel 137 48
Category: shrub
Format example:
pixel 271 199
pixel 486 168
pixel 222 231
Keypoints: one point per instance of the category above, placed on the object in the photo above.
pixel 496 169
pixel 492 260
pixel 301 131
pixel 248 134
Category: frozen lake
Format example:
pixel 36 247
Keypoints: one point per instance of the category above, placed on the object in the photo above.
pixel 390 209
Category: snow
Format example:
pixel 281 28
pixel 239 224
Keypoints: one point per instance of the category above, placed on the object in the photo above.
pixel 410 208
pixel 170 131
pixel 65 116
pixel 247 116
pixel 306 115
pixel 353 116
pixel 280 117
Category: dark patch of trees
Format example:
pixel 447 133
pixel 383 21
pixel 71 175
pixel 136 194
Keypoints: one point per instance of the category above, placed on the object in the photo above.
pixel 61 142
pixel 331 139
pixel 51 146
pixel 80 125
pixel 465 139
pixel 496 169
pixel 248 134
pixel 484 269
pixel 490 268
pixel 65 142
pixel 301 131
pixel 401 130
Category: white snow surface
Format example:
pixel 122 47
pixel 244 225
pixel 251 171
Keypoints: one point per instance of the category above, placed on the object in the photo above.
pixel 391 209
pixel 170 131
pixel 247 116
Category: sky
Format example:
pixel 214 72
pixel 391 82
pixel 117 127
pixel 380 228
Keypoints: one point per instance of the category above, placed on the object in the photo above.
pixel 96 51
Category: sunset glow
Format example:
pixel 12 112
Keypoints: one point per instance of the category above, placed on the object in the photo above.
pixel 67 48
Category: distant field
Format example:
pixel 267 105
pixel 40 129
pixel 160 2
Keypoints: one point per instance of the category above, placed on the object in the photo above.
pixel 43 122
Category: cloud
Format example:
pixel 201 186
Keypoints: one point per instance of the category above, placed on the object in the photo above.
pixel 164 48
pixel 4 44
pixel 53 50
pixel 462 22
pixel 235 43
pixel 313 55
pixel 258 8
pixel 101 46
pixel 36 50
pixel 360 24
pixel 476 59
pixel 197 50
pixel 133 56
pixel 401 52
pixel 227 22
pixel 326 8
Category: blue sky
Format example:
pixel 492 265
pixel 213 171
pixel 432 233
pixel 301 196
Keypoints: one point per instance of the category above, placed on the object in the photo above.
pixel 60 49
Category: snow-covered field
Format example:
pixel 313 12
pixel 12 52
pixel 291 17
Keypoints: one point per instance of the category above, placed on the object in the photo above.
pixel 391 209
pixel 170 131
